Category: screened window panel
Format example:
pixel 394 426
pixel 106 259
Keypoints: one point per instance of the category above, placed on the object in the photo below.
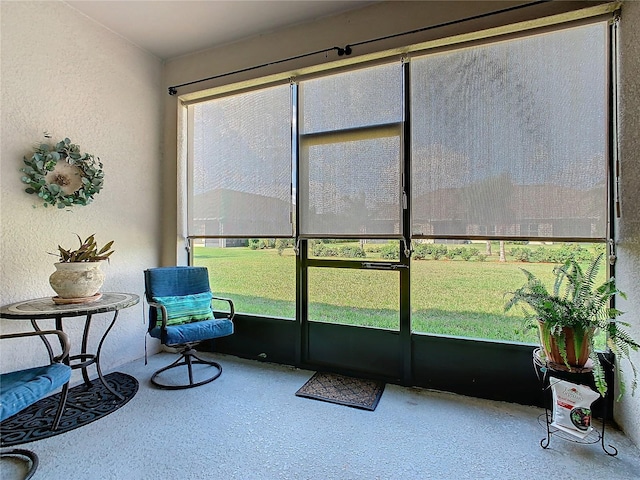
pixel 241 174
pixel 359 98
pixel 511 138
pixel 350 181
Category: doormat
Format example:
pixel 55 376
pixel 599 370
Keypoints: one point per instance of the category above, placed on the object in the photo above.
pixel 85 404
pixel 349 391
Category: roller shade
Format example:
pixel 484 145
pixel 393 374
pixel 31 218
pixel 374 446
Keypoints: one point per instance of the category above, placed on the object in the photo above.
pixel 510 139
pixel 351 154
pixel 240 153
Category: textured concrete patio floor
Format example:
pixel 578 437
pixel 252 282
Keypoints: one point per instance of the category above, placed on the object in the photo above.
pixel 249 425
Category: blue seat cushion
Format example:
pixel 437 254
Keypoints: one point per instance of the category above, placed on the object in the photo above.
pixel 194 332
pixel 20 389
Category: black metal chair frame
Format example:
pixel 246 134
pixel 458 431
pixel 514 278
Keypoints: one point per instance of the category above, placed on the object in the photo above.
pixel 21 452
pixel 188 354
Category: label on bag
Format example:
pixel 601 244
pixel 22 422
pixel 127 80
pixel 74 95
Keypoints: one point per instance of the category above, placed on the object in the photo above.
pixel 572 407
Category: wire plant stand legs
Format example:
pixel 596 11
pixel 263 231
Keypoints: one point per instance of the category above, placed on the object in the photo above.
pixel 545 419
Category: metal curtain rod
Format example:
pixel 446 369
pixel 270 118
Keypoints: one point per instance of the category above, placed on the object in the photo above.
pixel 347 50
pixel 341 51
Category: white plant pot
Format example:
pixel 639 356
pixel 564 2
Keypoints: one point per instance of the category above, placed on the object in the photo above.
pixel 77 279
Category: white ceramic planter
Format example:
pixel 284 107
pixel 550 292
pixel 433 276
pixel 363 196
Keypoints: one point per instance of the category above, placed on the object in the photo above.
pixel 77 279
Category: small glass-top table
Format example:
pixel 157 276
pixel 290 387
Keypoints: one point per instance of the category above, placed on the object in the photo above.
pixel 45 308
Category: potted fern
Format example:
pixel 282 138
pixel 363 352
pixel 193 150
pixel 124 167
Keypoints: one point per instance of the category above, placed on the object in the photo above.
pixel 570 316
pixel 78 277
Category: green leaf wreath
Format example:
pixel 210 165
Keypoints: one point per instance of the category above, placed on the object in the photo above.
pixel 60 175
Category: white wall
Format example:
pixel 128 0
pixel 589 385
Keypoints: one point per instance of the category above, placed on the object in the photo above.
pixel 64 74
pixel 628 238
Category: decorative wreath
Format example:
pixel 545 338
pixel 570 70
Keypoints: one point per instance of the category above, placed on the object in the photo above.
pixel 60 175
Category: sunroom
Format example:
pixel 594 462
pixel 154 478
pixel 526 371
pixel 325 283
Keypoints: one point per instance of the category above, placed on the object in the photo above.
pixel 365 187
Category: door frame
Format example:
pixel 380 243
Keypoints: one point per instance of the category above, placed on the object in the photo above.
pixel 358 349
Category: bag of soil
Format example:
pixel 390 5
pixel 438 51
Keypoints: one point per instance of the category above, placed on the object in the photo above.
pixel 572 407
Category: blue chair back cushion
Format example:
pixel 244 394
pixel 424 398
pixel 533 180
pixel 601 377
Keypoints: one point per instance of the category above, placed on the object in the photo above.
pixel 20 389
pixel 194 332
pixel 173 282
pixel 185 308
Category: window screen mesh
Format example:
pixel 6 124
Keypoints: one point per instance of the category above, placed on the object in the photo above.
pixel 241 165
pixel 350 154
pixel 510 139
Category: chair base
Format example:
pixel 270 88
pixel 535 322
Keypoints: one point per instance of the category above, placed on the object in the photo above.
pixel 21 452
pixel 187 358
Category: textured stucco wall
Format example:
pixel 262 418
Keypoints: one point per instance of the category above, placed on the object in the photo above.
pixel 628 237
pixel 65 74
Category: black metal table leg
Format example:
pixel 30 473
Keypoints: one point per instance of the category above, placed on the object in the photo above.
pixel 97 360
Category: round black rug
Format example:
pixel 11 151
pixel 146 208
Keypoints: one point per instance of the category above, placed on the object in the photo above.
pixel 85 404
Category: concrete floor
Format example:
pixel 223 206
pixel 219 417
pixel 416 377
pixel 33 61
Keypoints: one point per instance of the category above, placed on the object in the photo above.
pixel 249 425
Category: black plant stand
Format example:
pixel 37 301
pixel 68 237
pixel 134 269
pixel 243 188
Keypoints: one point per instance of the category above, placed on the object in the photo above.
pixel 543 371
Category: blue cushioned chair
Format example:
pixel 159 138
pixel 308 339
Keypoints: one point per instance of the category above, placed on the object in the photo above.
pixel 25 387
pixel 181 315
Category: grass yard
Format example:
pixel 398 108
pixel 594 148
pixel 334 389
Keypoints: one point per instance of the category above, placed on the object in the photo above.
pixel 258 281
pixel 448 297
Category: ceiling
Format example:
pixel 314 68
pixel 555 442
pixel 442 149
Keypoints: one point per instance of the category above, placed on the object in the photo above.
pixel 170 28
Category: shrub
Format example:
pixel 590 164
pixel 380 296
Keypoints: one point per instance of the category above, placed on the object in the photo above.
pixel 439 251
pixel 390 251
pixel 254 243
pixel 281 244
pixel 352 251
pixel 554 255
pixel 468 253
pixel 420 251
pixel 323 250
pixel 452 253
pixel 520 254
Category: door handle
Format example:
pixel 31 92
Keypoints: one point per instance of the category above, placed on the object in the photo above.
pixel 383 266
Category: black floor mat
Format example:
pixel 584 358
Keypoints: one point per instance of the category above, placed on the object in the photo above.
pixel 85 404
pixel 353 392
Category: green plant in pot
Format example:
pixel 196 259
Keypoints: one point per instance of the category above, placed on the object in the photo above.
pixel 570 316
pixel 78 277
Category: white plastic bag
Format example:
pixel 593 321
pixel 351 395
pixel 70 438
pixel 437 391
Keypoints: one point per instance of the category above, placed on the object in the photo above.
pixel 572 407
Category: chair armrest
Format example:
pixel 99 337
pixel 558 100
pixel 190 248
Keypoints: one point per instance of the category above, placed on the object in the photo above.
pixel 163 311
pixel 64 340
pixel 231 312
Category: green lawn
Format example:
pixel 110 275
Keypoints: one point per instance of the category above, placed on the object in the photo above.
pixel 356 297
pixel 449 297
pixel 258 281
